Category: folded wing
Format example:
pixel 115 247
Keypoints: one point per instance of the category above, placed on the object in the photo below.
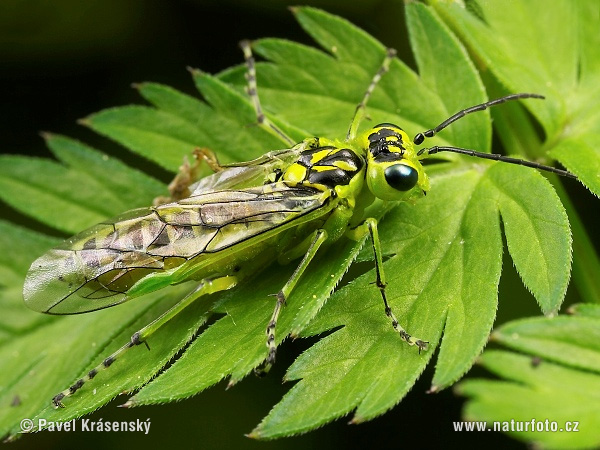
pixel 96 268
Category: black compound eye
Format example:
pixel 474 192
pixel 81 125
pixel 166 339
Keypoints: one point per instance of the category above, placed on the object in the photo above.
pixel 401 177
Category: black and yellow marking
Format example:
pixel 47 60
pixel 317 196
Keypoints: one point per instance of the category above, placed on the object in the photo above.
pixel 324 168
pixel 386 142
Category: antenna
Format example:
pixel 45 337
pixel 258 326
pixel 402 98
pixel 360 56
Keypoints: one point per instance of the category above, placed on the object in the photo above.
pixel 495 157
pixel 420 137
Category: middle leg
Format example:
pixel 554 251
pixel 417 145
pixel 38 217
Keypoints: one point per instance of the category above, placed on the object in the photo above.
pixel 319 238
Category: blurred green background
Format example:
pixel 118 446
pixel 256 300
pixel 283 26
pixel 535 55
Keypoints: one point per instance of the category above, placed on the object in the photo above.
pixel 61 60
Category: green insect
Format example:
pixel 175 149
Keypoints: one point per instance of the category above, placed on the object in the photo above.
pixel 283 206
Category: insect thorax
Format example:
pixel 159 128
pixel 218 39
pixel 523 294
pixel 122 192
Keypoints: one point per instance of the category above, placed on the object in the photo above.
pixel 324 168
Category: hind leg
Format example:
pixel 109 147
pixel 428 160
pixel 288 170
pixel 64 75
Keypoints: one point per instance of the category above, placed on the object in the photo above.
pixel 206 287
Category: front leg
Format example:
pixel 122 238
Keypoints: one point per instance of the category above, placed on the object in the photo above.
pixel 370 226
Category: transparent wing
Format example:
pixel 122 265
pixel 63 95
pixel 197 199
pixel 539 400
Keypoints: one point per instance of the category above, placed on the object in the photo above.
pixel 96 268
pixel 251 173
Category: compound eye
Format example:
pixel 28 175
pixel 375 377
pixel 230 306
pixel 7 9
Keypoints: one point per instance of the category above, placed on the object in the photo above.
pixel 401 177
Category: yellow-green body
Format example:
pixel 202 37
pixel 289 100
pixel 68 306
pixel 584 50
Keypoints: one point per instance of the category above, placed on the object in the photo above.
pixel 225 227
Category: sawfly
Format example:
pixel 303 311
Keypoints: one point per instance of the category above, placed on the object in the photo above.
pixel 226 227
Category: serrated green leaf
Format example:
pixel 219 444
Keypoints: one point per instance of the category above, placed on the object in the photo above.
pixel 157 135
pixel 585 161
pixel 535 58
pixel 454 293
pixel 445 251
pixel 338 36
pixel 18 247
pixel 111 173
pixel 337 84
pixel 574 341
pixel 521 47
pixel 235 344
pixel 530 211
pixel 509 44
pixel 30 185
pixel 544 392
pixel 457 79
pixel 210 121
pixel 433 286
pixel 533 388
pixel 90 187
pixel 173 101
pixel 234 112
pixel 88 339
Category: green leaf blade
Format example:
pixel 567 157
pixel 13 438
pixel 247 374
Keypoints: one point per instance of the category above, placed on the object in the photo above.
pixel 533 388
pixel 130 187
pixel 537 232
pixel 574 341
pixel 157 135
pixel 445 67
pixel 541 392
pixel 420 294
pixel 30 185
pixel 339 37
pixel 472 283
pixel 444 252
pixel 343 372
pixel 560 66
pixel 235 344
pixel 235 112
pixel 581 155
pixel 510 46
pixel 173 101
pixel 85 339
pixel 18 249
pixel 589 42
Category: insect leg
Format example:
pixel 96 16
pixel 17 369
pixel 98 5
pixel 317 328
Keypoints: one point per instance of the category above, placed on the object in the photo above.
pixel 360 108
pixel 179 188
pixel 206 287
pixel 319 237
pixel 209 157
pixel 252 90
pixel 372 226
